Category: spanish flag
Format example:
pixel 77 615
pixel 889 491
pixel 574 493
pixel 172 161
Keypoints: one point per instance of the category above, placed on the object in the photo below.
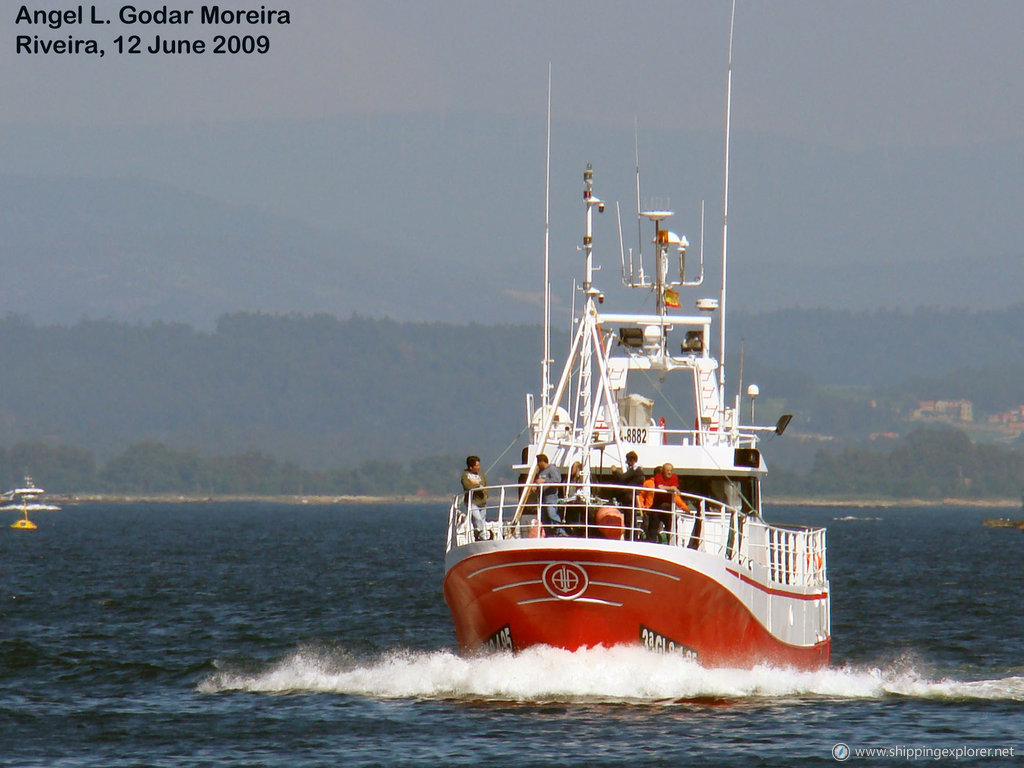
pixel 671 298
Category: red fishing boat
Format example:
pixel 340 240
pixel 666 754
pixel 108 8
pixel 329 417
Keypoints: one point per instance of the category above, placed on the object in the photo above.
pixel 686 562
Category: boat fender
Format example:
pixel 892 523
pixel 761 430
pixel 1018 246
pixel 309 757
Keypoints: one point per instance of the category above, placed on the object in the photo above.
pixel 609 522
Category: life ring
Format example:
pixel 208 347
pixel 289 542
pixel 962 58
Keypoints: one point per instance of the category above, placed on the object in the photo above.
pixel 813 558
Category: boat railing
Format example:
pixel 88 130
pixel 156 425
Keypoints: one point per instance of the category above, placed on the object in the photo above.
pixel 707 438
pixel 787 555
pixel 783 555
pixel 659 435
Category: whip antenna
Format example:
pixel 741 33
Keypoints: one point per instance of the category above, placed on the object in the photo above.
pixel 545 384
pixel 725 216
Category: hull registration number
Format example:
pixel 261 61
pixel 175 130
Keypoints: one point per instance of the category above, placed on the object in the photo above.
pixel 500 640
pixel 657 642
pixel 634 435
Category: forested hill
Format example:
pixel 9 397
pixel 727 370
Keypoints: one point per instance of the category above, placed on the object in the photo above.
pixel 318 391
pixel 883 347
pixel 325 392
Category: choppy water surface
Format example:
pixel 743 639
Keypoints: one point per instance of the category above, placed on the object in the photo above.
pixel 260 634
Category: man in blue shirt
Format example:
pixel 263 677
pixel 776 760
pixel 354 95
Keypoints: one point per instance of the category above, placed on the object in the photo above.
pixel 550 481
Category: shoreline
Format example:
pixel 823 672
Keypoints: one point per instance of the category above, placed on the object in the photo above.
pixel 1006 503
pixel 341 500
pixel 213 498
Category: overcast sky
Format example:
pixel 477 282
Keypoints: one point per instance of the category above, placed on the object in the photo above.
pixel 872 133
pixel 848 74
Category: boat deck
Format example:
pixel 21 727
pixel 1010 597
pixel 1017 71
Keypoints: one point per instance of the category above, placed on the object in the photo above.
pixel 789 556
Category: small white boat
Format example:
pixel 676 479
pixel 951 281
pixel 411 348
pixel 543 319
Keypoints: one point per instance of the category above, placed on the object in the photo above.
pixel 25 499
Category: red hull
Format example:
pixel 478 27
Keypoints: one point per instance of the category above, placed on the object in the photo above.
pixel 577 597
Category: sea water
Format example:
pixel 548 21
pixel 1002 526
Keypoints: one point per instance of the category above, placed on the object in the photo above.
pixel 300 635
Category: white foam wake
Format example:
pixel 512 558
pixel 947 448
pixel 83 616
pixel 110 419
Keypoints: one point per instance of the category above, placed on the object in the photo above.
pixel 622 674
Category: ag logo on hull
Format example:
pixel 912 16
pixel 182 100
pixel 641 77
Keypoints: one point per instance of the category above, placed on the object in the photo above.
pixel 566 581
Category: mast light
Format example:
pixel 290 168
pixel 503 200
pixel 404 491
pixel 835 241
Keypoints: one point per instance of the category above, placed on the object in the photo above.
pixel 668 237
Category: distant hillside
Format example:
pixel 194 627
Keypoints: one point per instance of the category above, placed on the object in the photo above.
pixel 315 390
pixel 879 348
pixel 326 393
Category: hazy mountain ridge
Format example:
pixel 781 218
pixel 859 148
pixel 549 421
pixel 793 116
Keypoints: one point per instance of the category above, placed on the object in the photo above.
pixel 140 251
pixel 416 217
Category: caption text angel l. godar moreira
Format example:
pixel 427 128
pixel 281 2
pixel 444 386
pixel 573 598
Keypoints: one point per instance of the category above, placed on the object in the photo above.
pixel 146 30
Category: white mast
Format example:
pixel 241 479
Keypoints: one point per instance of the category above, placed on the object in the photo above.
pixel 639 223
pixel 725 219
pixel 583 394
pixel 588 237
pixel 545 382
